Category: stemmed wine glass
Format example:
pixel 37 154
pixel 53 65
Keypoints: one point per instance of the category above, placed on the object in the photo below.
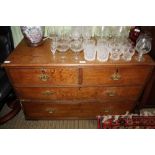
pixel 76 46
pixel 63 43
pixel 143 46
pixel 54 45
pixel 76 42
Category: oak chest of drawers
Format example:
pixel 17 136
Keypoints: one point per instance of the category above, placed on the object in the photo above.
pixel 50 87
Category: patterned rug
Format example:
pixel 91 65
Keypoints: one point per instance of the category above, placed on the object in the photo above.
pixel 144 120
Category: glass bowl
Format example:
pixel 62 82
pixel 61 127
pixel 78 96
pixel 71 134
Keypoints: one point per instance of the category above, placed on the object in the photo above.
pixel 76 46
pixel 63 45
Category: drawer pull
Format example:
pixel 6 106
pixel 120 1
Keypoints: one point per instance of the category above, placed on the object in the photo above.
pixel 111 94
pixel 50 111
pixel 44 77
pixel 47 92
pixel 116 76
pixel 106 111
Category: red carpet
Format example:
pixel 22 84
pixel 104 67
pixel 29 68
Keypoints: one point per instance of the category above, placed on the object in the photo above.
pixel 126 122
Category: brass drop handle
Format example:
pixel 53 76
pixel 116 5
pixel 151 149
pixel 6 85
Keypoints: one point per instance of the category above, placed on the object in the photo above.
pixel 48 92
pixel 111 94
pixel 50 110
pixel 116 76
pixel 43 77
pixel 106 111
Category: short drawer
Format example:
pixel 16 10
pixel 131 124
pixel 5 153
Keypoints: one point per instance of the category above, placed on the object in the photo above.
pixel 40 76
pixel 116 75
pixel 47 110
pixel 79 93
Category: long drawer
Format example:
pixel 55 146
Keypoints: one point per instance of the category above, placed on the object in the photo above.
pixel 115 75
pixel 44 76
pixel 78 93
pixel 47 110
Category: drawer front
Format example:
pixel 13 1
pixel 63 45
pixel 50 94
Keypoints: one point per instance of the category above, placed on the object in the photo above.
pixel 115 76
pixel 82 93
pixel 46 110
pixel 53 76
pixel 115 108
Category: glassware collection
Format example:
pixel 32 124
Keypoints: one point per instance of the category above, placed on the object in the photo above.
pixel 105 43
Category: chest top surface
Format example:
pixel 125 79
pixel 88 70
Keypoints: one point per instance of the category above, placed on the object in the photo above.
pixel 25 56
